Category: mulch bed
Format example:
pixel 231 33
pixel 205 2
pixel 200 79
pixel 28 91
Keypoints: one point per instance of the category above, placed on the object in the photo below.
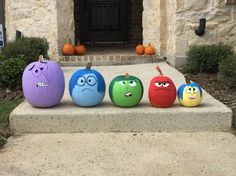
pixel 9 95
pixel 216 88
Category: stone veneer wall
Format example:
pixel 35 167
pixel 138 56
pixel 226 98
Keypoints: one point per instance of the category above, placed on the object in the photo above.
pixel 168 25
pixel 32 18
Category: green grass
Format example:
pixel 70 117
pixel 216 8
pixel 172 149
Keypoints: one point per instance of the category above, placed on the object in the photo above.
pixel 5 109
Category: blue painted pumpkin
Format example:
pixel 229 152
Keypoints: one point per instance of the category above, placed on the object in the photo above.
pixel 87 87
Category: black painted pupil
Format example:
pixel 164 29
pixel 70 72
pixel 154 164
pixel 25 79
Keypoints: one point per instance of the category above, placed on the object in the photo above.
pixel 123 82
pixel 36 71
pixel 189 88
pixel 164 84
pixel 89 80
pixel 131 82
pixel 159 83
pixel 41 68
pixel 82 81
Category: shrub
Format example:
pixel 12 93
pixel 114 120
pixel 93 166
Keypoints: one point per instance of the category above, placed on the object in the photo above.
pixel 206 58
pixel 227 71
pixel 11 71
pixel 30 47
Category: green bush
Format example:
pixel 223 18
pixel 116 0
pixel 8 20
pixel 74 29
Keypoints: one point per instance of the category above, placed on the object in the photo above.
pixel 30 47
pixel 206 58
pixel 11 72
pixel 227 71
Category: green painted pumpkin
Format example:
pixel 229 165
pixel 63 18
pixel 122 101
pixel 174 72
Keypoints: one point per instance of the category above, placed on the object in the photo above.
pixel 126 91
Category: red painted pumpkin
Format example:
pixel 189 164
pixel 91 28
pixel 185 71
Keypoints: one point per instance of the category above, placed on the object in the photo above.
pixel 162 91
pixel 80 49
pixel 139 49
pixel 149 50
pixel 68 48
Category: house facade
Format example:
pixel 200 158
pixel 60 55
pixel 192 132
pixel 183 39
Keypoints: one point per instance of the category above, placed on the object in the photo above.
pixel 169 25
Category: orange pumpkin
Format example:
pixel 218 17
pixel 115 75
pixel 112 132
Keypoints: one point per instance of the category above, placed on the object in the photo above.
pixel 80 49
pixel 149 50
pixel 139 49
pixel 68 48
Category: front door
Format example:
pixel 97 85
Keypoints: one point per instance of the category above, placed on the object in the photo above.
pixel 103 20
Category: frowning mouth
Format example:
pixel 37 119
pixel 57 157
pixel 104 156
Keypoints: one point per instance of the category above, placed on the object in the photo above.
pixel 128 94
pixel 41 84
pixel 86 89
pixel 162 89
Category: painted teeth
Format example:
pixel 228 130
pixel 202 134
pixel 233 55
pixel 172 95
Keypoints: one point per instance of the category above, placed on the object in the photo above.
pixel 41 84
pixel 128 94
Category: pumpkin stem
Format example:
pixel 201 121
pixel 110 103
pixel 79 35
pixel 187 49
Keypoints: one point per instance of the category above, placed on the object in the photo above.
pixel 89 65
pixel 41 58
pixel 78 43
pixel 70 42
pixel 159 70
pixel 126 75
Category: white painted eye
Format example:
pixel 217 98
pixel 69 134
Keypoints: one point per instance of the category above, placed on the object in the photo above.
pixel 132 83
pixel 195 89
pixel 158 84
pixel 166 84
pixel 81 81
pixel 122 83
pixel 188 90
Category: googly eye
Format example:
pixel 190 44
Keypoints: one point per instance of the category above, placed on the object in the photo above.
pixel 122 83
pixel 158 84
pixel 132 83
pixel 91 80
pixel 166 84
pixel 195 89
pixel 81 81
pixel 188 90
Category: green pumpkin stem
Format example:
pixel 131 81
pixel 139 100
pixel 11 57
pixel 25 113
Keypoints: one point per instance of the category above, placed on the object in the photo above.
pixel 89 65
pixel 159 70
pixel 127 75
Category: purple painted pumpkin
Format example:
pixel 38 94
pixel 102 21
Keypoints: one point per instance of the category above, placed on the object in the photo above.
pixel 43 83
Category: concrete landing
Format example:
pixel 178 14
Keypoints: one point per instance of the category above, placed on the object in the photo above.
pixel 119 154
pixel 67 117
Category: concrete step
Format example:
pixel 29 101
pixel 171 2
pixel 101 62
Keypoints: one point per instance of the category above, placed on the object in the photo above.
pixel 67 117
pixel 120 154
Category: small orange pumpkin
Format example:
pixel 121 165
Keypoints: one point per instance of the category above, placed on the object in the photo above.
pixel 80 49
pixel 149 50
pixel 139 49
pixel 68 48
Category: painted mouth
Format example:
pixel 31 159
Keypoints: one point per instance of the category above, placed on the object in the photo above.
pixel 128 94
pixel 86 89
pixel 41 84
pixel 191 97
pixel 162 89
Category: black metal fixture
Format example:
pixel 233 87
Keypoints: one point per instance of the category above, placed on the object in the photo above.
pixel 200 30
pixel 18 34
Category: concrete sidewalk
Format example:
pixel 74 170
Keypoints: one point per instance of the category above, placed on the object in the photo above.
pixel 67 117
pixel 119 154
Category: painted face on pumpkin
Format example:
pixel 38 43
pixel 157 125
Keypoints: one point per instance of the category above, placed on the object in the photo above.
pixel 126 92
pixel 43 83
pixel 190 94
pixel 162 91
pixel 39 72
pixel 87 87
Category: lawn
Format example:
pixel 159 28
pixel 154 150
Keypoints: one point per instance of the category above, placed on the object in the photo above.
pixel 6 106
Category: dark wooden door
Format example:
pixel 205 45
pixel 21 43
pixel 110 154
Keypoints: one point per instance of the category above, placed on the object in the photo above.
pixel 103 20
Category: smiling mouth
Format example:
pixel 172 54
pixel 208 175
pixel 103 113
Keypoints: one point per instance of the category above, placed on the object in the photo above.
pixel 86 89
pixel 41 84
pixel 191 98
pixel 128 94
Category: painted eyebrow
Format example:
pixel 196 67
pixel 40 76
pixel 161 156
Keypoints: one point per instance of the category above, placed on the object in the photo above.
pixel 43 62
pixel 32 67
